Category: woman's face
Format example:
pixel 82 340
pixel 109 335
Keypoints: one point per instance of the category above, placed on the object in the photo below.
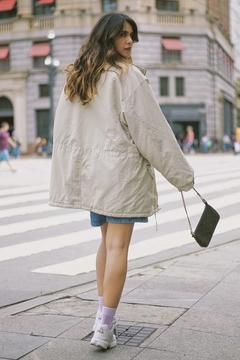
pixel 123 43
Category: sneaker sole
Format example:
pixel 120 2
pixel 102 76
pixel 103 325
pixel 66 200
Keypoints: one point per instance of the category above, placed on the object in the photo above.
pixel 102 344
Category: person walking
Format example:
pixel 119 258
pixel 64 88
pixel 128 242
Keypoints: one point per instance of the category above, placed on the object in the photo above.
pixel 109 135
pixel 5 142
pixel 189 140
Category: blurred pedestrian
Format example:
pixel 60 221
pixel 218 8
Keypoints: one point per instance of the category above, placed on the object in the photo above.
pixel 16 151
pixel 189 140
pixel 109 133
pixel 5 142
pixel 205 143
pixel 40 147
pixel 226 143
pixel 237 141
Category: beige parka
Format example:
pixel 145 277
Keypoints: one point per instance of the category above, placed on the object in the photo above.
pixel 104 152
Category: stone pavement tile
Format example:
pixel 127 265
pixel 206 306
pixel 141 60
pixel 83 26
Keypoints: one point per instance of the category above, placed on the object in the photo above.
pixel 13 346
pixel 198 344
pixel 196 273
pixel 78 331
pixel 233 276
pixel 75 349
pixel 168 291
pixel 152 354
pixel 148 314
pixel 72 306
pixel 224 298
pixel 38 325
pixel 209 321
pixel 208 259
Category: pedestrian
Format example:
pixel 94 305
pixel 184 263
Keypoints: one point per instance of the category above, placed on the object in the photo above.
pixel 189 140
pixel 40 147
pixel 205 142
pixel 5 142
pixel 226 143
pixel 237 141
pixel 109 133
pixel 16 151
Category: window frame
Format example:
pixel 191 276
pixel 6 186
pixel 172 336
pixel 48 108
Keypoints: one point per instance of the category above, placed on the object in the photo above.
pixel 177 86
pixel 43 90
pixel 44 9
pixel 109 5
pixel 164 87
pixel 171 56
pixel 165 5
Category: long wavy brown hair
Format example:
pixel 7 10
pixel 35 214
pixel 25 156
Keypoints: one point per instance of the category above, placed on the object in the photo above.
pixel 98 50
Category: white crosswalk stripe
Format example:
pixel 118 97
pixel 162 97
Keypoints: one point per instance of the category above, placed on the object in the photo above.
pixel 24 211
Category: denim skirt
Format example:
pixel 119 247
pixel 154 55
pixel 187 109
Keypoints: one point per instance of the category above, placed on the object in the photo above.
pixel 4 155
pixel 99 220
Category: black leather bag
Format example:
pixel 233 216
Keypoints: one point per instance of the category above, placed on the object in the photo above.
pixel 206 225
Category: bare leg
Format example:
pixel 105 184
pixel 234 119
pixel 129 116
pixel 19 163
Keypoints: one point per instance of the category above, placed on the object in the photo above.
pixel 118 238
pixel 10 166
pixel 101 260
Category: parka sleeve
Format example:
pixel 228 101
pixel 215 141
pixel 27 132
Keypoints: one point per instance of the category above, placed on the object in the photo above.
pixel 155 139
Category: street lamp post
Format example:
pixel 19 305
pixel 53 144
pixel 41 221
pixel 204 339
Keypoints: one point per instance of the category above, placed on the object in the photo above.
pixel 52 65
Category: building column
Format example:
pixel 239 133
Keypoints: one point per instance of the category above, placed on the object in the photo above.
pixel 20 117
pixel 24 7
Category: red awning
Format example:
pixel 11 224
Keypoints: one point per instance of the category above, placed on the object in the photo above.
pixel 4 50
pixel 172 44
pixel 43 2
pixel 6 5
pixel 42 49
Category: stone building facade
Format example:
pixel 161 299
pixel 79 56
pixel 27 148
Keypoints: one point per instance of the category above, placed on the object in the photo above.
pixel 184 45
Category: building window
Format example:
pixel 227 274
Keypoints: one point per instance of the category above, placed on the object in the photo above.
pixel 109 5
pixel 164 87
pixel 42 118
pixel 39 52
pixel 172 50
pixel 43 7
pixel 4 58
pixel 8 9
pixel 180 86
pixel 43 90
pixel 164 5
pixel 171 56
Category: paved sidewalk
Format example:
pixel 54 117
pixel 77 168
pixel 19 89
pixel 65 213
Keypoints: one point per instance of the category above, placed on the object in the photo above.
pixel 185 308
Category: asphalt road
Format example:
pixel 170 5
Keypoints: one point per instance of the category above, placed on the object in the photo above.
pixel 44 249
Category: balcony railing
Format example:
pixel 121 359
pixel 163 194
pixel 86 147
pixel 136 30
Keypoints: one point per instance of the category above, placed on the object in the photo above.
pixel 41 23
pixel 88 20
pixel 6 26
pixel 173 19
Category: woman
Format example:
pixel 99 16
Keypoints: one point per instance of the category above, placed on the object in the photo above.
pixel 109 134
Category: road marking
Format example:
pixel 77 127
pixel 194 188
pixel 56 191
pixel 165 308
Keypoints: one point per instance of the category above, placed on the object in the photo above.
pixel 23 198
pixel 136 251
pixel 70 239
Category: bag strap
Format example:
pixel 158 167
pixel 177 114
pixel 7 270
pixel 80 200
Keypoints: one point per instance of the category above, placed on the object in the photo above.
pixel 185 208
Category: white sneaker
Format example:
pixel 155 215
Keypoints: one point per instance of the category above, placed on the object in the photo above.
pixel 104 337
pixel 98 321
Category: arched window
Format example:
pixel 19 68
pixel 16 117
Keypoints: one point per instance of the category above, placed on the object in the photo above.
pixel 5 104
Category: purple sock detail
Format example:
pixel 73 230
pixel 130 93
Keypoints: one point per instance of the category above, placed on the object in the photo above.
pixel 100 302
pixel 108 316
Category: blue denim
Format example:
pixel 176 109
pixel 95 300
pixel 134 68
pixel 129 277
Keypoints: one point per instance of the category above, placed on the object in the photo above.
pixel 99 220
